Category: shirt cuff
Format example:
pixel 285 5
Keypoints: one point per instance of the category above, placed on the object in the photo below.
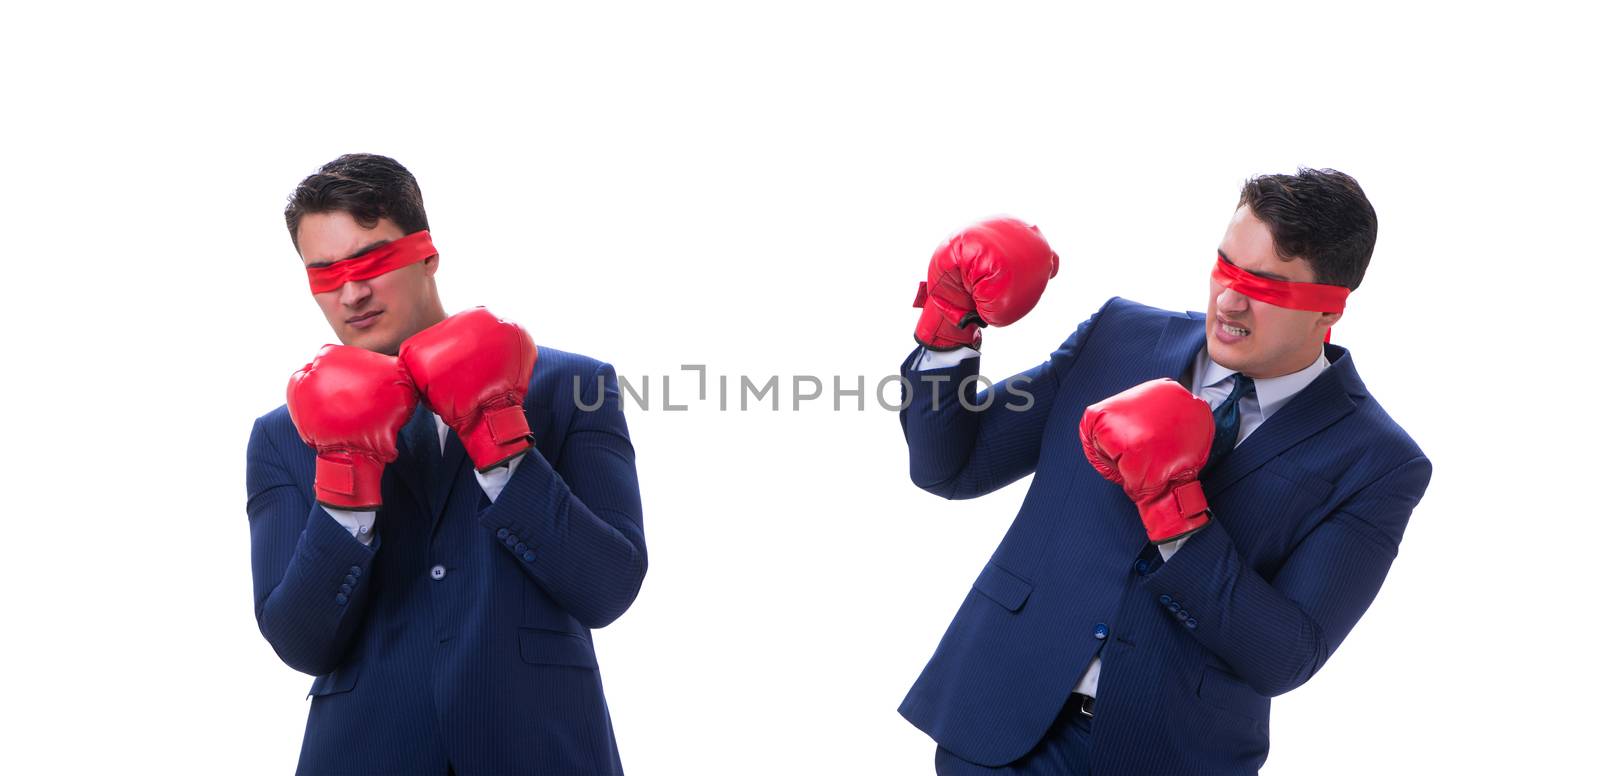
pixel 494 480
pixel 1170 548
pixel 359 523
pixel 939 359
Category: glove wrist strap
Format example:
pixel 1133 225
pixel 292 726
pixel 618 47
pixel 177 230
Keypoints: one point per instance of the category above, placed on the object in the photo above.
pixel 1175 513
pixel 497 435
pixel 349 481
pixel 943 325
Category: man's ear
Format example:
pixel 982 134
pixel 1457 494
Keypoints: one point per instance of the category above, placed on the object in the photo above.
pixel 1329 319
pixel 430 265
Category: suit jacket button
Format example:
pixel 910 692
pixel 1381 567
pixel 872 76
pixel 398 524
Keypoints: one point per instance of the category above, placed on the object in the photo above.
pixel 340 599
pixel 1166 599
pixel 521 548
pixel 1173 607
pixel 349 579
pixel 502 533
pixel 1100 630
pixel 528 556
pixel 355 571
pixel 1143 566
pixel 1190 622
pixel 1183 615
pixel 437 572
pixel 344 589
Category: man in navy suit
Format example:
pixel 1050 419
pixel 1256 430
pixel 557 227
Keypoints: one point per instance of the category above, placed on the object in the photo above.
pixel 445 608
pixel 1216 501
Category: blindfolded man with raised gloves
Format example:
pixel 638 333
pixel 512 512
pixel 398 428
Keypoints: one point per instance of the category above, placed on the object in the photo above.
pixel 445 608
pixel 1216 497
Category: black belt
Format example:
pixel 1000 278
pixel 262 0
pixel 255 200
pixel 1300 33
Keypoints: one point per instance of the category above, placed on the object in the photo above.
pixel 1078 703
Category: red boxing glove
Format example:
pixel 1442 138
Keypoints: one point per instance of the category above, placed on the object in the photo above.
pixel 350 405
pixel 992 272
pixel 1153 439
pixel 473 369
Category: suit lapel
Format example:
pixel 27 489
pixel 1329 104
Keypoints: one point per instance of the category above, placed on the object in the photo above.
pixel 417 457
pixel 420 466
pixel 445 475
pixel 1315 407
pixel 1175 350
pixel 1318 405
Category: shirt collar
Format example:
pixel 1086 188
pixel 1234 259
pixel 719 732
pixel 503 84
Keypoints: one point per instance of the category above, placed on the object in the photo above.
pixel 1271 392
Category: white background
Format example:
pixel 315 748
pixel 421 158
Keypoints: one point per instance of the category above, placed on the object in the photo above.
pixel 758 191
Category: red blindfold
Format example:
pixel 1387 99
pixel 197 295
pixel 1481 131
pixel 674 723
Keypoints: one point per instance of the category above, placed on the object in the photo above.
pixel 383 259
pixel 1315 297
pixel 1282 293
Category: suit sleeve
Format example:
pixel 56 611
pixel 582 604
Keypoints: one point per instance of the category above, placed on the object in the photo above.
pixel 308 571
pixel 1275 635
pixel 578 530
pixel 965 442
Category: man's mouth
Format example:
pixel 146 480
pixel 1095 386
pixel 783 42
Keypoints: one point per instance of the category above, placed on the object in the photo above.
pixel 364 320
pixel 1230 331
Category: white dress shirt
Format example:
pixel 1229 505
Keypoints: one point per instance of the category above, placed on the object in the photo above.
pixel 1213 383
pixel 361 524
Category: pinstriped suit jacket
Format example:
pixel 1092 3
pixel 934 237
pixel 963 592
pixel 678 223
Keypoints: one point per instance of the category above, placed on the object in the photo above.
pixel 1308 515
pixel 486 663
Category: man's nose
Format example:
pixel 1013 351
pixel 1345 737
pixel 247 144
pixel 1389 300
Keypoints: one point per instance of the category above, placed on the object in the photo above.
pixel 1232 301
pixel 354 292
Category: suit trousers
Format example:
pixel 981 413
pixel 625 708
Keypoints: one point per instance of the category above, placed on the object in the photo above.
pixel 1064 751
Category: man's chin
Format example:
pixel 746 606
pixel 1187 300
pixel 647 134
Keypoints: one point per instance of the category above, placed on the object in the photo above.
pixel 1225 356
pixel 370 340
pixel 383 346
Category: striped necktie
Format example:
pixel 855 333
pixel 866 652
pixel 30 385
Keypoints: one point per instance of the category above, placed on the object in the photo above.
pixel 423 437
pixel 1226 420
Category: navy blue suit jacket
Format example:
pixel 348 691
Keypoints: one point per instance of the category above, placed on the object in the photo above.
pixel 461 635
pixel 1308 515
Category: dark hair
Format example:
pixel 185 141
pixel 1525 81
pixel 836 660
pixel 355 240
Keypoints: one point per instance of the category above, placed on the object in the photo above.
pixel 1321 216
pixel 366 186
